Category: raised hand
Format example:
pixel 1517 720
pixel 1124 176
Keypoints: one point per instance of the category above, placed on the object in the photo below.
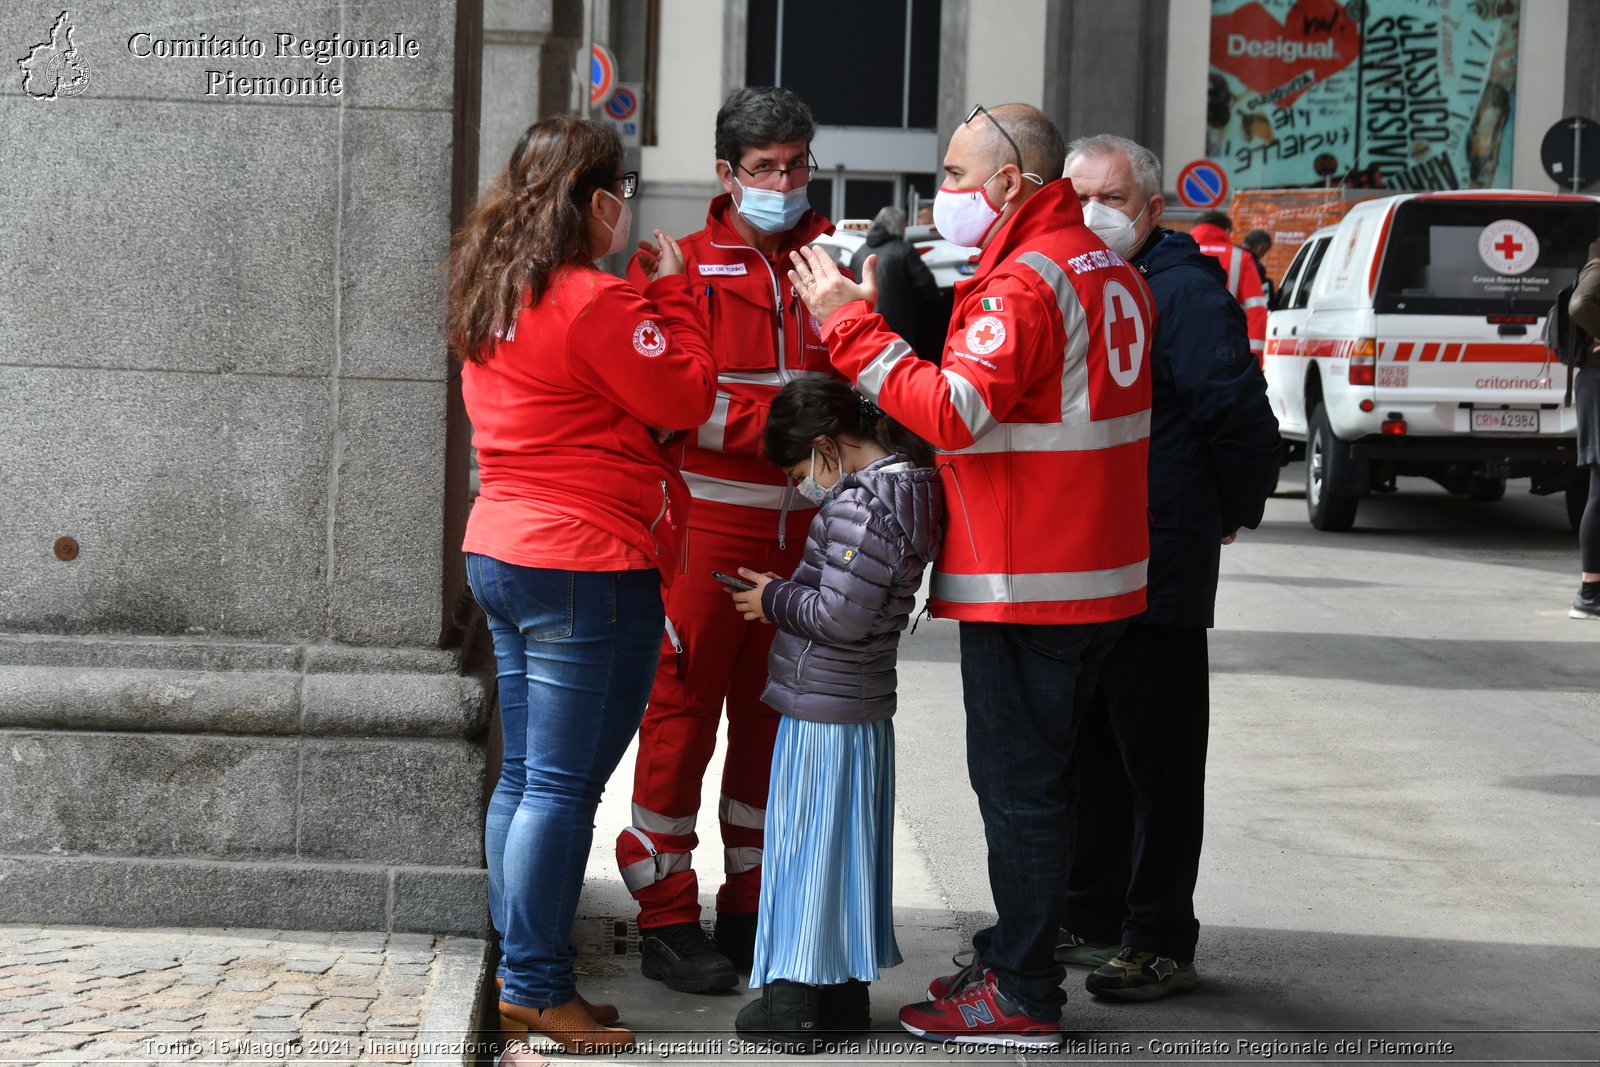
pixel 824 287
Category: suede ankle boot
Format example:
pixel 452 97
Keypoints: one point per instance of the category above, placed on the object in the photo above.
pixel 844 1008
pixel 604 1014
pixel 784 1017
pixel 568 1025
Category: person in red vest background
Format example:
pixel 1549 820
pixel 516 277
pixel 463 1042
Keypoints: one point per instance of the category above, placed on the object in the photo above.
pixel 1213 234
pixel 744 514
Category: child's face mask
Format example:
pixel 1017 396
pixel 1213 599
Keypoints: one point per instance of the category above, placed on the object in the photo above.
pixel 809 487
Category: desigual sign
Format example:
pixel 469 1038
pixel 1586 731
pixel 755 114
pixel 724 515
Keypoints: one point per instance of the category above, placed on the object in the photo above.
pixel 1394 94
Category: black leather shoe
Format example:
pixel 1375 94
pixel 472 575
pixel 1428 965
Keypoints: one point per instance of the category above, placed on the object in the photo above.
pixel 736 938
pixel 682 956
pixel 844 1009
pixel 784 1017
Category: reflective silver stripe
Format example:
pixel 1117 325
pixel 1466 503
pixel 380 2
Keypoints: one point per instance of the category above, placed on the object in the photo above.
pixel 1258 344
pixel 1233 272
pixel 1074 322
pixel 739 860
pixel 737 813
pixel 648 872
pixel 1037 588
pixel 870 383
pixel 745 494
pixel 1255 302
pixel 1063 436
pixel 968 402
pixel 712 430
pixel 652 823
pixel 763 377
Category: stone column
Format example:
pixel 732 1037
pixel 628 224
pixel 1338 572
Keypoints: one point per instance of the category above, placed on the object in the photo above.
pixel 223 409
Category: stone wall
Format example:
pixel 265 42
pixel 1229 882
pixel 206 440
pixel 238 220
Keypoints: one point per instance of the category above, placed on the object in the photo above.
pixel 222 378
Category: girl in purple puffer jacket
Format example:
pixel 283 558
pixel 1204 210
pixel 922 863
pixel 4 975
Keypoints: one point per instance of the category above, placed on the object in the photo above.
pixel 826 919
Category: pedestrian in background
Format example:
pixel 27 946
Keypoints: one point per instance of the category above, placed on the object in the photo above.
pixel 827 889
pixel 744 514
pixel 1584 308
pixel 1212 233
pixel 1044 382
pixel 908 295
pixel 571 378
pixel 1258 243
pixel 1140 759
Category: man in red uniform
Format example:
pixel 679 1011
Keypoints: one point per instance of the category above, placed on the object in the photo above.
pixel 1213 233
pixel 744 514
pixel 1042 407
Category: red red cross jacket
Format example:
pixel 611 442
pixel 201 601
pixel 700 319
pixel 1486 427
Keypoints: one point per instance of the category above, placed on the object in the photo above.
pixel 1043 409
pixel 562 409
pixel 1243 281
pixel 761 337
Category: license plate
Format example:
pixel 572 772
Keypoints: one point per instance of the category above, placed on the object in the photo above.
pixel 1505 421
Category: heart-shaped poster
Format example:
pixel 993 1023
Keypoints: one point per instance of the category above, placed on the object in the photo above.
pixel 1265 54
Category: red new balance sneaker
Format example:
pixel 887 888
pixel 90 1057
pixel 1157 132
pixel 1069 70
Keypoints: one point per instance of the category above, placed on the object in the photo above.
pixel 977 1014
pixel 970 970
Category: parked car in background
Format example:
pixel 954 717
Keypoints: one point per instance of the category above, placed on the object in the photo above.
pixel 1405 340
pixel 948 262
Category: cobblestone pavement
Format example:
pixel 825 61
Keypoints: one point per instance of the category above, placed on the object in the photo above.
pixel 96 995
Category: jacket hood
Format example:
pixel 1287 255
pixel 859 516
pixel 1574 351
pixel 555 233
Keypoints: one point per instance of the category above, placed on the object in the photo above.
pixel 1177 249
pixel 719 220
pixel 879 235
pixel 911 497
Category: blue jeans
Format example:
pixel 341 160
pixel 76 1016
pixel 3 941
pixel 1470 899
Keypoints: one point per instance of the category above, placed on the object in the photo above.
pixel 576 654
pixel 1025 688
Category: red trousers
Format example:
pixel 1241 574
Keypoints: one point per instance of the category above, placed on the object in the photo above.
pixel 723 662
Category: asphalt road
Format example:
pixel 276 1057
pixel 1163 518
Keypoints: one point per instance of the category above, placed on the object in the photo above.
pixel 1403 807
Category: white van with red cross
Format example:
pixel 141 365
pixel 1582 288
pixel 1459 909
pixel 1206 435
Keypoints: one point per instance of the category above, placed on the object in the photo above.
pixel 1406 341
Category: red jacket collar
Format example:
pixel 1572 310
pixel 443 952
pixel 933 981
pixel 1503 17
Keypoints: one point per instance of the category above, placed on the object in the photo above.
pixel 1209 233
pixel 1055 207
pixel 719 224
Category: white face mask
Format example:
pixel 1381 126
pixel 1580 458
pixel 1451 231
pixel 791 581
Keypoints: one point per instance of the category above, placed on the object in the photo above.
pixel 965 216
pixel 808 487
pixel 1113 227
pixel 619 231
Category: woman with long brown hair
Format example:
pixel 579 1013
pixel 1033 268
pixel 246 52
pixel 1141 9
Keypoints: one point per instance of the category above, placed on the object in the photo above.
pixel 573 380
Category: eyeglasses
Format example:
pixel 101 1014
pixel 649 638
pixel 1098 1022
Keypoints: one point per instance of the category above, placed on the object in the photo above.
pixel 772 175
pixel 978 109
pixel 630 184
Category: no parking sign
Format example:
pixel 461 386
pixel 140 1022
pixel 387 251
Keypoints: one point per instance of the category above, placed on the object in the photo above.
pixel 622 111
pixel 1202 184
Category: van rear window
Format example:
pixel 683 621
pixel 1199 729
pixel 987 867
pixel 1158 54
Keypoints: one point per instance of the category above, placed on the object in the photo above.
pixel 1483 257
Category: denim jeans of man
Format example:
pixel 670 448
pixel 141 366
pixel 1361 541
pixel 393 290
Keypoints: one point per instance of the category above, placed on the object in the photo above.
pixel 576 652
pixel 1025 688
pixel 1139 779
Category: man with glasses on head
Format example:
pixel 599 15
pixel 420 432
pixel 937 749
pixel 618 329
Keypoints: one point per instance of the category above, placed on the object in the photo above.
pixel 744 515
pixel 1042 406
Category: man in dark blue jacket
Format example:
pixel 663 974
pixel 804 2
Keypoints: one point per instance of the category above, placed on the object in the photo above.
pixel 1214 460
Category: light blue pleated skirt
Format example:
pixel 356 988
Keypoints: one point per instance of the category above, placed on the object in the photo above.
pixel 827 877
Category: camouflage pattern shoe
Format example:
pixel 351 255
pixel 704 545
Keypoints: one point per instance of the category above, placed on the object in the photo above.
pixel 1072 949
pixel 1134 974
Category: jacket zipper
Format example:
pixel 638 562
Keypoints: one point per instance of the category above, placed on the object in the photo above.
pixel 800 664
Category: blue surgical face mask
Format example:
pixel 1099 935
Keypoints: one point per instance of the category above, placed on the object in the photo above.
pixel 771 211
pixel 808 487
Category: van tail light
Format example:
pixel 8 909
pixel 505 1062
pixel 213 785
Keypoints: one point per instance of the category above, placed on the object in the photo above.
pixel 1394 427
pixel 1518 320
pixel 1364 362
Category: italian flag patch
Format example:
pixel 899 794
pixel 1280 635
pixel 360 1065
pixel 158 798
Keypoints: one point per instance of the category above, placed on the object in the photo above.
pixel 991 303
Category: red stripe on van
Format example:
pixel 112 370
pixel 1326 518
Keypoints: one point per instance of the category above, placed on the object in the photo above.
pixel 1498 353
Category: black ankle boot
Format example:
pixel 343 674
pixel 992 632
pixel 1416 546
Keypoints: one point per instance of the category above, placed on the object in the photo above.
pixel 735 935
pixel 844 1008
pixel 784 1017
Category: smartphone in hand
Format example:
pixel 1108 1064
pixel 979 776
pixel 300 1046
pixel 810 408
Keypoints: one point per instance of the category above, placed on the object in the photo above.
pixel 738 585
